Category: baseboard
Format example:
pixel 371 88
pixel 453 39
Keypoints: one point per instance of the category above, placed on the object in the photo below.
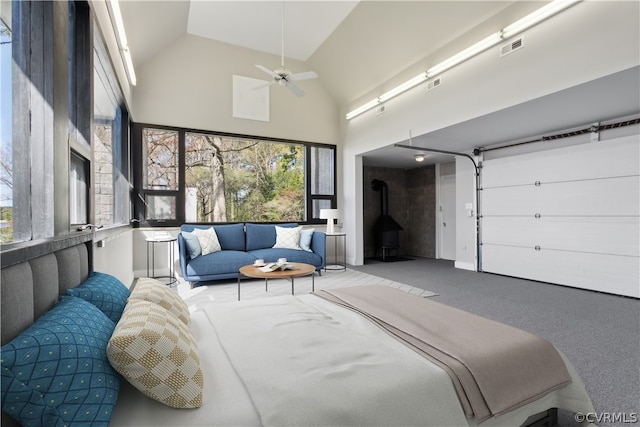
pixel 465 266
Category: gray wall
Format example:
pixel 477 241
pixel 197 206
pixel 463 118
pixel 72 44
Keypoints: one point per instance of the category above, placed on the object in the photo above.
pixel 412 201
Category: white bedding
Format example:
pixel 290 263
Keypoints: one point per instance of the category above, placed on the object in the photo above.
pixel 295 363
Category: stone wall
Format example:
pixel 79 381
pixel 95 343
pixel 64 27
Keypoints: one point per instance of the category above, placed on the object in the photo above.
pixel 412 200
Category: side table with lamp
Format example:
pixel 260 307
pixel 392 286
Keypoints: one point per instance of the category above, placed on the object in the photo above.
pixel 330 215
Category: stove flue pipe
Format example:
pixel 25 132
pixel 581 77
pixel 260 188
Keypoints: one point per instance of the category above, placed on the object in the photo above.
pixel 379 185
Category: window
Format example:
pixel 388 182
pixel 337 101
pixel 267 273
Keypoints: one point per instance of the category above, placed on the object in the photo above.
pixel 230 178
pixel 323 179
pixel 238 179
pixel 160 173
pixel 47 165
pixel 110 142
pixel 78 190
pixel 6 135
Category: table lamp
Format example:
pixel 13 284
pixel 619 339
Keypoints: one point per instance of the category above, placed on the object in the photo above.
pixel 329 215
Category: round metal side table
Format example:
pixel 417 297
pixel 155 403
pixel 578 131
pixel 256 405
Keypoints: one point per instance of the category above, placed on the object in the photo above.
pixel 151 252
pixel 337 265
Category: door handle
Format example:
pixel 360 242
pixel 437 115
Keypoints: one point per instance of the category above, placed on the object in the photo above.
pixel 444 224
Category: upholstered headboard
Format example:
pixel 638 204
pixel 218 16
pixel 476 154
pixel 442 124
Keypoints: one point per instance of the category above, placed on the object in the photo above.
pixel 31 287
pixel 32 281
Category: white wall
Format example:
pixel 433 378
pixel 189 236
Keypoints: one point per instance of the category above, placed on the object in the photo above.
pixel 189 84
pixel 466 240
pixel 116 256
pixel 566 50
pixel 161 253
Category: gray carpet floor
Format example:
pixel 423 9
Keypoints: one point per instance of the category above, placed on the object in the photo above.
pixel 599 333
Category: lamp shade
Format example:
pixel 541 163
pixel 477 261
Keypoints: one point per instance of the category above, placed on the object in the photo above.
pixel 329 215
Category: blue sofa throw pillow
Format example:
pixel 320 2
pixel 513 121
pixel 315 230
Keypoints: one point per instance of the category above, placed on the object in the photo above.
pixel 105 292
pixel 305 239
pixel 56 372
pixel 192 244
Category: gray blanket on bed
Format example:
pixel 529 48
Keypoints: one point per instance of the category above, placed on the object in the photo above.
pixel 495 368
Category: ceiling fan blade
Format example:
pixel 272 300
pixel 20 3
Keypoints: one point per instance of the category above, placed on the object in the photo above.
pixel 303 76
pixel 293 88
pixel 268 71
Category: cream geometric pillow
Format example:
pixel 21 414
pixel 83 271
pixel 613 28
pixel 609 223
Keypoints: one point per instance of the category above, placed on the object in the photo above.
pixel 287 237
pixel 157 354
pixel 157 292
pixel 208 240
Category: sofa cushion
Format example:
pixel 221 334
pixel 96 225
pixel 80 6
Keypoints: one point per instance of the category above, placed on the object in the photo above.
pixel 287 237
pixel 105 292
pixel 260 236
pixel 230 236
pixel 192 244
pixel 56 372
pixel 292 255
pixel 219 263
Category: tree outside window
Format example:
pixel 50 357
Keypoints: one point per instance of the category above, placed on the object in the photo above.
pixel 227 178
pixel 236 179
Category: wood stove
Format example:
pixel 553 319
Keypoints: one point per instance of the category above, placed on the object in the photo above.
pixel 387 230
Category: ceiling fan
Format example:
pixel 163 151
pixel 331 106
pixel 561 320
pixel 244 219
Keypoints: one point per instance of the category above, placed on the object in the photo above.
pixel 284 77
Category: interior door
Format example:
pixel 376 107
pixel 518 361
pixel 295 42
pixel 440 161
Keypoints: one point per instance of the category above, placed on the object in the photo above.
pixel 447 217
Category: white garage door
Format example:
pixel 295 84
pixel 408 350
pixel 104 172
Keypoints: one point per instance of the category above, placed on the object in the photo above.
pixel 569 216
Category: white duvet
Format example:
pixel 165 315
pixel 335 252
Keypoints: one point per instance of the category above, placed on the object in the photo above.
pixel 300 360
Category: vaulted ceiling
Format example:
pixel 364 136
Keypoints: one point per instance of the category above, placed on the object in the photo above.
pixel 355 46
pixel 352 45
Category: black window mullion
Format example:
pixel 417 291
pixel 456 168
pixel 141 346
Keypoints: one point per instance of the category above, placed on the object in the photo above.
pixel 181 196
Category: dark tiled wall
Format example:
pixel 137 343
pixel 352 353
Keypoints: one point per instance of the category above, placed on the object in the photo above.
pixel 412 200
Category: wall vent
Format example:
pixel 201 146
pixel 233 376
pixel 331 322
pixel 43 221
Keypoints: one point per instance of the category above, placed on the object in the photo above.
pixel 511 47
pixel 381 109
pixel 434 83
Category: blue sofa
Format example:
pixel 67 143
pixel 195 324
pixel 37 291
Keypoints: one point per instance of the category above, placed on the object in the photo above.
pixel 242 244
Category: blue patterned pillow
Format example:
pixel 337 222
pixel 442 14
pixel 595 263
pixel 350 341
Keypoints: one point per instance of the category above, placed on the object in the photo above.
pixel 105 292
pixel 56 372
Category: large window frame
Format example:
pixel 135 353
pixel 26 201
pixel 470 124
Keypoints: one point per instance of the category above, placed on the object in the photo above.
pixel 142 195
pixel 53 69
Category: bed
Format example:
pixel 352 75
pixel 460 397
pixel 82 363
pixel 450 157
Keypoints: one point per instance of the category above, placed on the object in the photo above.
pixel 290 360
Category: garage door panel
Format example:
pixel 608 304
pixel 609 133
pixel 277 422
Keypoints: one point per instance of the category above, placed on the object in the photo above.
pixel 566 164
pixel 599 197
pixel 613 274
pixel 604 235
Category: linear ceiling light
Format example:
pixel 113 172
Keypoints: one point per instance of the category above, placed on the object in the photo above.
pixel 547 11
pixel 121 37
pixel 403 87
pixel 536 17
pixel 369 105
pixel 462 56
